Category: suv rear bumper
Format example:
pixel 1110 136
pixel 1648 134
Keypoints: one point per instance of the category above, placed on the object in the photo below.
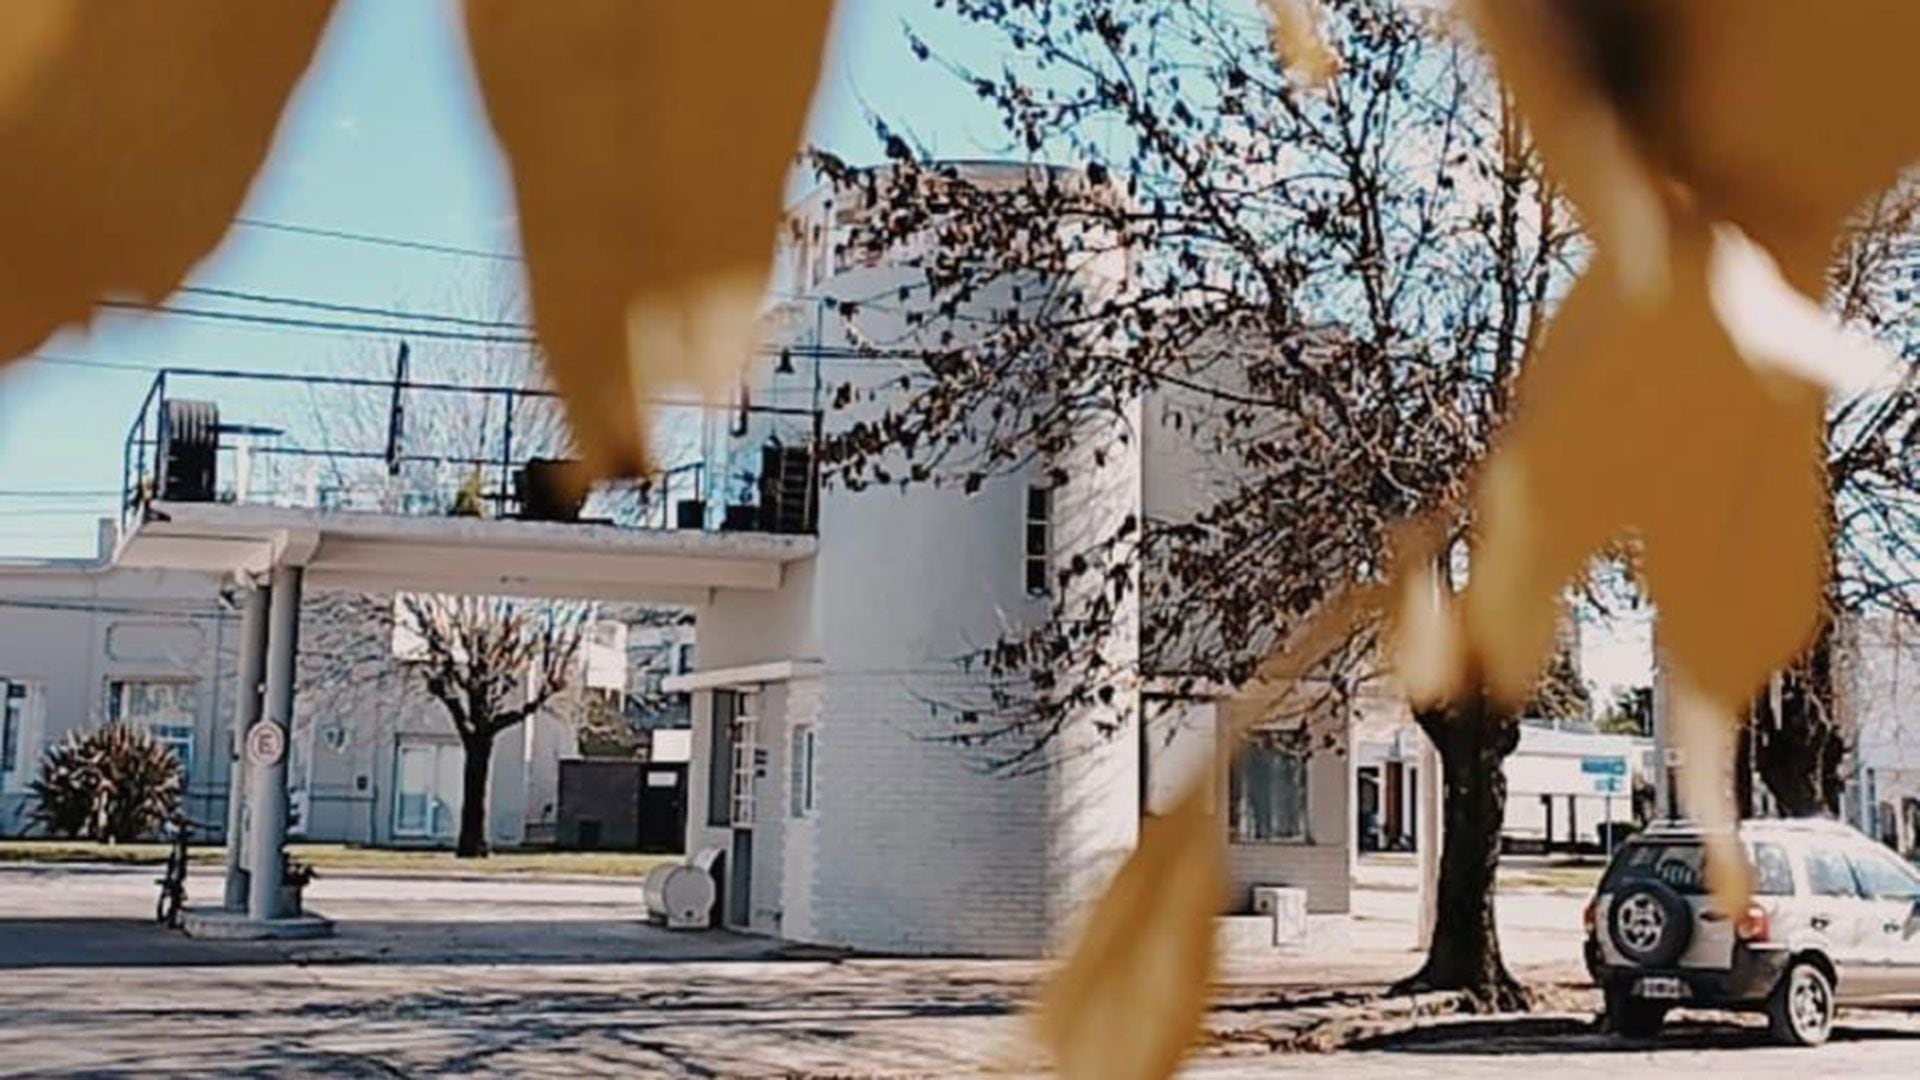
pixel 1747 981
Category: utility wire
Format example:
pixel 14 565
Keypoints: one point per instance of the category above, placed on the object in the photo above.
pixel 291 322
pixel 89 362
pixel 56 493
pixel 355 309
pixel 371 238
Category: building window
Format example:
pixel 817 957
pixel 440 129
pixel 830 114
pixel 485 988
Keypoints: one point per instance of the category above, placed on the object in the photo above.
pixel 164 707
pixel 746 767
pixel 800 764
pixel 13 717
pixel 1267 797
pixel 1039 540
pixel 726 706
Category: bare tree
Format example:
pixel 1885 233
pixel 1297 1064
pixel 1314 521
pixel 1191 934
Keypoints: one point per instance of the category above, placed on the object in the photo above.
pixel 491 662
pixel 1797 743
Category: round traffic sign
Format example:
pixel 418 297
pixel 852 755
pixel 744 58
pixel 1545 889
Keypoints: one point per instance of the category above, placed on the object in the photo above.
pixel 266 741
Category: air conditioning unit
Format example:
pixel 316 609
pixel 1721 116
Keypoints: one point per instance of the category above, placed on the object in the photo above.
pixel 680 896
pixel 189 450
pixel 1287 907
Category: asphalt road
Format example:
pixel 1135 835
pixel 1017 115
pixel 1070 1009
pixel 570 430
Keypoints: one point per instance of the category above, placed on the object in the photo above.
pixel 531 976
pixel 1863 1046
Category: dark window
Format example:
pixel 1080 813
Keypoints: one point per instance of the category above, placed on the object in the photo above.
pixel 1039 540
pixel 1882 877
pixel 1267 790
pixel 1679 864
pixel 726 706
pixel 13 700
pixel 1772 871
pixel 1829 875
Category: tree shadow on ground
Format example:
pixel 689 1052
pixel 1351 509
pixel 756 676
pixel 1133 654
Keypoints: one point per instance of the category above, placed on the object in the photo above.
pixel 692 1022
pixel 86 941
pixel 1504 1036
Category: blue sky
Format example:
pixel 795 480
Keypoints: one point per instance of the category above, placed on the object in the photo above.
pixel 385 136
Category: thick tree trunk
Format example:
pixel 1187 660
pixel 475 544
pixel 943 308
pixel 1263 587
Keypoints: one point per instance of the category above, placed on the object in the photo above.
pixel 1799 752
pixel 473 797
pixel 1465 953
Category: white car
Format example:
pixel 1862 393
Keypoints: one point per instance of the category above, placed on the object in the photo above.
pixel 1835 920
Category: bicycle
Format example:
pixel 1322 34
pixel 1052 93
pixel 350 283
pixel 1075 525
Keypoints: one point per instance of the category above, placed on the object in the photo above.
pixel 173 885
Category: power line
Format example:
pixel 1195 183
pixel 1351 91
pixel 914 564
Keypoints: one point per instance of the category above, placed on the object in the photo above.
pixel 336 326
pixel 372 238
pixel 89 362
pixel 354 309
pixel 56 493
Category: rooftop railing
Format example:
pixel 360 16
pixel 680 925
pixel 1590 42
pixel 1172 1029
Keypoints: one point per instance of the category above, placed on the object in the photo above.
pixel 421 448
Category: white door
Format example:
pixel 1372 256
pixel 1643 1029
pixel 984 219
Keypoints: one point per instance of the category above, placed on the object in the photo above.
pixel 427 791
pixel 1890 940
pixel 1838 915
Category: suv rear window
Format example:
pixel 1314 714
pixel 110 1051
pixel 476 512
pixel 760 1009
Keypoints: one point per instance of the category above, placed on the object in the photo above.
pixel 1678 863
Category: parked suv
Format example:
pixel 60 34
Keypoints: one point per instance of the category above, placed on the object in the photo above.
pixel 1835 919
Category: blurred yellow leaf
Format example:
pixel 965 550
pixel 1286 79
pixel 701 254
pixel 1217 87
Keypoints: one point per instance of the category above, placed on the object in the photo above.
pixel 1581 136
pixel 1297 37
pixel 1129 1001
pixel 1650 420
pixel 1781 118
pixel 649 144
pixel 1704 734
pixel 129 133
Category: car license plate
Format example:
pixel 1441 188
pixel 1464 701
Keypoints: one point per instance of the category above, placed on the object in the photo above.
pixel 1660 988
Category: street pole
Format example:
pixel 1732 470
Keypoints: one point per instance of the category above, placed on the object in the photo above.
pixel 246 713
pixel 1428 824
pixel 267 753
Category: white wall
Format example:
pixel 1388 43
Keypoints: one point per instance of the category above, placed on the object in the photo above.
pixel 69 627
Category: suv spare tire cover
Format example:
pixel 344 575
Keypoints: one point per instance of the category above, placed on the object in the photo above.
pixel 1649 923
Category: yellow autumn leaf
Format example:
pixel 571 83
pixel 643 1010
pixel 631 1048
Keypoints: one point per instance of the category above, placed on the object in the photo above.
pixel 649 143
pixel 1303 48
pixel 1649 419
pixel 129 134
pixel 1129 1001
pixel 1781 118
pixel 1582 137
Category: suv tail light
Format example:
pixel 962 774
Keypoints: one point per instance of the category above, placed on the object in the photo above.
pixel 1751 926
pixel 1588 915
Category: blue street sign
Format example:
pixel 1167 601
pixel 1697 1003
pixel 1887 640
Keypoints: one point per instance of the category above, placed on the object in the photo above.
pixel 1604 766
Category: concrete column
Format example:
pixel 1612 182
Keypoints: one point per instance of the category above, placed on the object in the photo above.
pixel 267 781
pixel 1428 821
pixel 246 713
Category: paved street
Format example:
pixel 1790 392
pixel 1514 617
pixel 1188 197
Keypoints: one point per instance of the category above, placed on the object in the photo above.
pixel 558 977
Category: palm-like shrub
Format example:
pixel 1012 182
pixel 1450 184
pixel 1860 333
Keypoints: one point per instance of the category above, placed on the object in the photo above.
pixel 113 783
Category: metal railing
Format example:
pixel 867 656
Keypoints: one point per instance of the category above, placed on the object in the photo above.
pixel 423 448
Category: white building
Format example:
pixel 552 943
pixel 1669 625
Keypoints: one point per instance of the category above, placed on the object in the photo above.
pixel 81 644
pixel 84 643
pixel 1564 787
pixel 1878 677
pixel 847 812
